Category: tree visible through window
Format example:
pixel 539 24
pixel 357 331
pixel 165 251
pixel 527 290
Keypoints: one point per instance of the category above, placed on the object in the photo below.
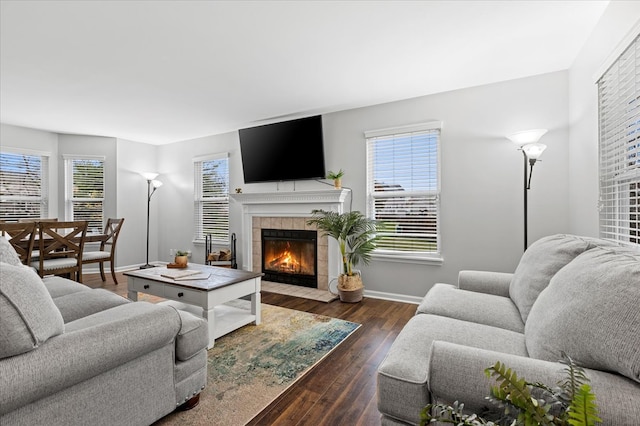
pixel 85 191
pixel 212 198
pixel 403 188
pixel 23 186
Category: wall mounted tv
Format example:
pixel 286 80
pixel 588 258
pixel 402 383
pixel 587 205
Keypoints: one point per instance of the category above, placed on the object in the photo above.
pixel 285 151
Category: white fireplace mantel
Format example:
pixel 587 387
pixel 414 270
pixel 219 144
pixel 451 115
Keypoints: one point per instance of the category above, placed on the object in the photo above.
pixel 330 198
pixel 288 204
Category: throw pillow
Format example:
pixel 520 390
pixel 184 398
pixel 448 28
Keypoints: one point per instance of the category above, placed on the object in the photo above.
pixel 8 253
pixel 539 264
pixel 590 312
pixel 29 316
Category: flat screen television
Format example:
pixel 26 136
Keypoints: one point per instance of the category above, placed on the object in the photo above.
pixel 285 151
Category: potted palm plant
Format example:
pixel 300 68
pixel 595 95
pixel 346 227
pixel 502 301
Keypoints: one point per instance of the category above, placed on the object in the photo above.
pixel 356 237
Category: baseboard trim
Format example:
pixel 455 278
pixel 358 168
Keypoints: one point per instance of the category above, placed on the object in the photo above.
pixel 392 297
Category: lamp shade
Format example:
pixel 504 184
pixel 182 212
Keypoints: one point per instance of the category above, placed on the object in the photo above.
pixel 534 150
pixel 156 183
pixel 527 136
pixel 149 175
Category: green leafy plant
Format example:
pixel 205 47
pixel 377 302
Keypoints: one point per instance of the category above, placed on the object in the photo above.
pixel 571 402
pixel 182 253
pixel 354 232
pixel 335 175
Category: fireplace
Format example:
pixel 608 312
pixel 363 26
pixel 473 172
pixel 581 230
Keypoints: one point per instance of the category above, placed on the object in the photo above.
pixel 290 256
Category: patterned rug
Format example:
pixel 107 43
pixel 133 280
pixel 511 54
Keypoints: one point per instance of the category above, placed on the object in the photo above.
pixel 252 366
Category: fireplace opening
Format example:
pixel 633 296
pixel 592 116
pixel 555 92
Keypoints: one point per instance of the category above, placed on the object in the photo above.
pixel 290 257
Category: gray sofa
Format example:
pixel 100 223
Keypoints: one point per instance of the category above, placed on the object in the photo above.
pixel 72 355
pixel 568 293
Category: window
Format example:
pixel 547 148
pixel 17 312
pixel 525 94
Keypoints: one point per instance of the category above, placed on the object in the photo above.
pixel 619 150
pixel 84 194
pixel 403 190
pixel 211 206
pixel 24 186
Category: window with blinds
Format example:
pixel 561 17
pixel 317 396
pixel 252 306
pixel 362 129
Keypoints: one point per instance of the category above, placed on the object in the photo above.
pixel 24 186
pixel 619 148
pixel 84 178
pixel 403 189
pixel 211 206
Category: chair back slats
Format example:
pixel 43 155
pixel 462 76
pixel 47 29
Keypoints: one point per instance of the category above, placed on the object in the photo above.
pixel 61 240
pixel 107 248
pixel 21 236
pixel 111 230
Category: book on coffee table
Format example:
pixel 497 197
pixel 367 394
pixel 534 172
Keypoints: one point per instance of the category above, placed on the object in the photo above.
pixel 185 275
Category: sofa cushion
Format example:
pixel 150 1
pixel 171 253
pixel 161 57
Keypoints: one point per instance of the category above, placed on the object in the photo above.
pixel 403 376
pixel 193 335
pixel 539 264
pixel 59 286
pixel 8 253
pixel 590 311
pixel 29 316
pixel 449 301
pixel 84 303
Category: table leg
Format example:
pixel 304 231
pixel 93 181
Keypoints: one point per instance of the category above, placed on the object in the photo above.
pixel 132 295
pixel 210 316
pixel 255 306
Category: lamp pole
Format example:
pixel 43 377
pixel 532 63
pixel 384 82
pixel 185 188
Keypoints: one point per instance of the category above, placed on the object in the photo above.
pixel 525 190
pixel 155 184
pixel 527 142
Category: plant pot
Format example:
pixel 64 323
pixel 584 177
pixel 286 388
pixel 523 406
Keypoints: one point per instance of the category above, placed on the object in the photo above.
pixel 350 288
pixel 351 296
pixel 181 260
pixel 337 183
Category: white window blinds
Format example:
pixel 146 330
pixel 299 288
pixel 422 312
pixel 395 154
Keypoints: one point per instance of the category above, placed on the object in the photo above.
pixel 24 186
pixel 619 150
pixel 403 188
pixel 85 191
pixel 211 206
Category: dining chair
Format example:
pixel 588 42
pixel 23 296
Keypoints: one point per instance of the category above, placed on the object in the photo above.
pixel 61 245
pixel 37 219
pixel 107 248
pixel 21 236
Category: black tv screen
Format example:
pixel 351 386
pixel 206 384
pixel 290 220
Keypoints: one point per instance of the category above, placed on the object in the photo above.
pixel 289 150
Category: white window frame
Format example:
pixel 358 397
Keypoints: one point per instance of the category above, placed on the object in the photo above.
pixel 69 161
pixel 619 147
pixel 42 198
pixel 373 136
pixel 221 201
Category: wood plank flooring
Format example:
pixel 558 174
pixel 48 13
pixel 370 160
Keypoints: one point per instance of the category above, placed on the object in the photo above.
pixel 340 390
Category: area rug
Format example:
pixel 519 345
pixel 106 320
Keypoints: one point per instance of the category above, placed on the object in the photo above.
pixel 252 366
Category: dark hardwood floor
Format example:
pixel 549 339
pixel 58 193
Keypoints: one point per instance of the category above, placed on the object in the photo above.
pixel 341 389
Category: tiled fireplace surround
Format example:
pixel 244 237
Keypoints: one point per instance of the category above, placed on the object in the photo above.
pixel 289 210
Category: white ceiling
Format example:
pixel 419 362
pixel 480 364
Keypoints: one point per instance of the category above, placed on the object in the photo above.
pixel 164 71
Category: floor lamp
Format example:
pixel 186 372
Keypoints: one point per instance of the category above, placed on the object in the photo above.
pixel 527 142
pixel 152 185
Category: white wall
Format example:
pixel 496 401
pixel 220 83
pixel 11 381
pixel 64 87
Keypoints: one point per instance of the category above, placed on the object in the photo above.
pixel 23 138
pixel 618 20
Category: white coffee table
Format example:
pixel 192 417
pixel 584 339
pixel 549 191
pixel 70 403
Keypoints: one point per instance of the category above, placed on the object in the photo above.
pixel 204 297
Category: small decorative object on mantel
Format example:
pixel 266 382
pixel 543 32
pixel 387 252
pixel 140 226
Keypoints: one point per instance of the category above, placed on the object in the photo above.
pixel 337 178
pixel 238 190
pixel 356 237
